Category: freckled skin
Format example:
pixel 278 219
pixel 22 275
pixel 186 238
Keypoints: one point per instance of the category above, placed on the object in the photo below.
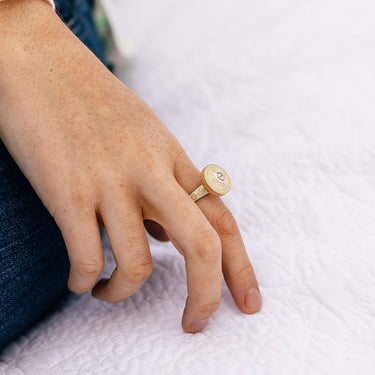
pixel 97 155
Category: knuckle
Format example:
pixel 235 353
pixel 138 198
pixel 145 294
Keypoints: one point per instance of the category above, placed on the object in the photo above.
pixel 177 151
pixel 109 172
pixel 181 158
pixel 79 193
pixel 91 266
pixel 140 271
pixel 225 223
pixel 245 272
pixel 207 246
pixel 207 309
pixel 104 109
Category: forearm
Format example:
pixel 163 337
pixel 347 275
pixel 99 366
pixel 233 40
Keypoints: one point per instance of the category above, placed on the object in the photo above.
pixel 37 52
pixel 26 26
pixel 21 14
pixel 26 33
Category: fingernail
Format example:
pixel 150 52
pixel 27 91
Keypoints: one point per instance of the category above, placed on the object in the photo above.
pixel 253 300
pixel 197 326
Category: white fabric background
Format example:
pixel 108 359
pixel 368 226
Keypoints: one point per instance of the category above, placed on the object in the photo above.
pixel 281 94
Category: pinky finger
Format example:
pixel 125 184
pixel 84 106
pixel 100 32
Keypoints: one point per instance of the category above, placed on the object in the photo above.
pixel 82 239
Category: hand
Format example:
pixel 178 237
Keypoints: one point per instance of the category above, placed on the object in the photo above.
pixel 96 154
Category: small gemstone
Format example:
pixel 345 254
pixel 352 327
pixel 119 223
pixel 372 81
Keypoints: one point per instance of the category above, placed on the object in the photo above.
pixel 220 176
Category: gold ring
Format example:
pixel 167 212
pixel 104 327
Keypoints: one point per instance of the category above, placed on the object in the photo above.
pixel 214 181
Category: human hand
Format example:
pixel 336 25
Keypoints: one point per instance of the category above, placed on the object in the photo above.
pixel 97 155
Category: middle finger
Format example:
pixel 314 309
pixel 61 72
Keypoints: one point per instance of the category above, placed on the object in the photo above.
pixel 195 238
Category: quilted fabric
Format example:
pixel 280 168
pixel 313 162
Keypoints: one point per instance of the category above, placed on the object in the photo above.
pixel 281 94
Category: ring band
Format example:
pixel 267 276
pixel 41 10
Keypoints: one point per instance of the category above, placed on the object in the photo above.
pixel 215 181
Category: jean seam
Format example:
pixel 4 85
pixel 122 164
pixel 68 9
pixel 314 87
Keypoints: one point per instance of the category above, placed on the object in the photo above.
pixel 72 22
pixel 20 240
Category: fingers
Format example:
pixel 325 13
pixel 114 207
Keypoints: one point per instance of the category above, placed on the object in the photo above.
pixel 82 238
pixel 237 269
pixel 124 224
pixel 194 237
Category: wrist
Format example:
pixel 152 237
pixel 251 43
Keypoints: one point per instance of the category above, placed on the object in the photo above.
pixel 31 37
pixel 52 3
pixel 26 26
pixel 21 19
pixel 38 52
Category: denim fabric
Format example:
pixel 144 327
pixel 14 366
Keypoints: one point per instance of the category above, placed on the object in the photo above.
pixel 34 264
pixel 77 16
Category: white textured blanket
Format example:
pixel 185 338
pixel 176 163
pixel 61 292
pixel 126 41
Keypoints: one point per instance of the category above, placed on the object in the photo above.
pixel 281 93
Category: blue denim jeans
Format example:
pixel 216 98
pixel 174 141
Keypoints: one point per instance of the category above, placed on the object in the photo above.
pixel 34 264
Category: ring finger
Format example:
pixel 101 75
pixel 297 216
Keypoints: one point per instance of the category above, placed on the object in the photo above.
pixel 124 224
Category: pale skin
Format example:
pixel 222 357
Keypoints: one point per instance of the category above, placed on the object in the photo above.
pixel 97 155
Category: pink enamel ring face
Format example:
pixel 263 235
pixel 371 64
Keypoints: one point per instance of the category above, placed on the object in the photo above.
pixel 215 180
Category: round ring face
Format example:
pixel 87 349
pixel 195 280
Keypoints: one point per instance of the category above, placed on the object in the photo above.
pixel 216 179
